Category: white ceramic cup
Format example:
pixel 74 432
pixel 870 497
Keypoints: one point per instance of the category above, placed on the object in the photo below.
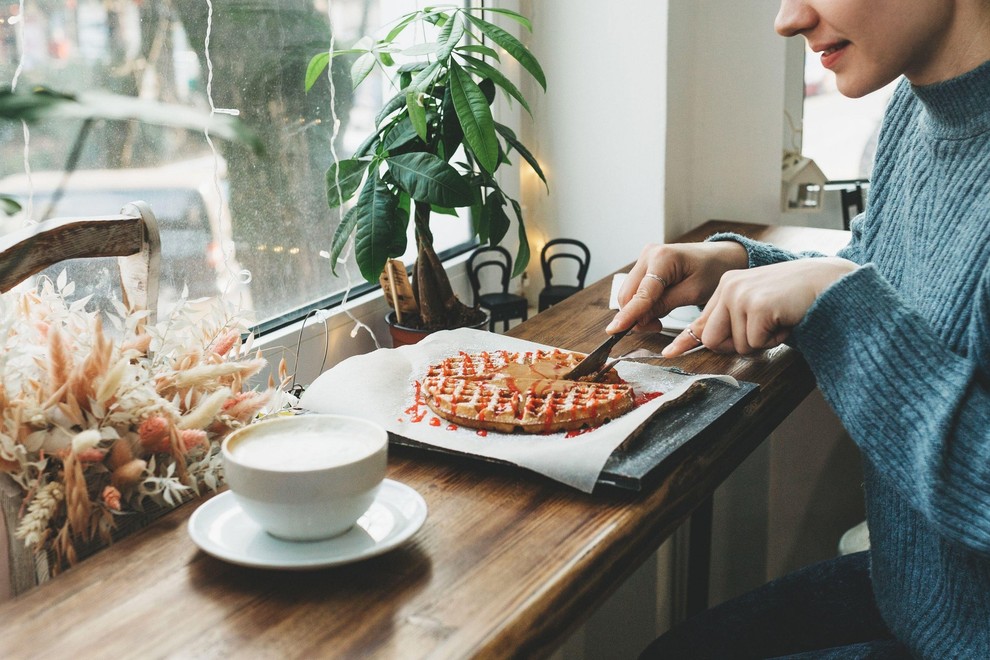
pixel 306 477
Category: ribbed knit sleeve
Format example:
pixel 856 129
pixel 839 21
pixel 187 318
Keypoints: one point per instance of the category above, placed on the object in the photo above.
pixel 919 410
pixel 761 254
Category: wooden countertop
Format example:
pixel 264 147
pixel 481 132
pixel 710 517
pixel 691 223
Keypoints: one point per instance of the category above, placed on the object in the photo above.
pixel 507 563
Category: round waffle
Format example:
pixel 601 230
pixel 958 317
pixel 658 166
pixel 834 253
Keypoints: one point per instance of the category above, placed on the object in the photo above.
pixel 511 392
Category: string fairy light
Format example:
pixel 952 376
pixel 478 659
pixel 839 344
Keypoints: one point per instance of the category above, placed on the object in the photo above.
pixel 29 205
pixel 334 132
pixel 243 276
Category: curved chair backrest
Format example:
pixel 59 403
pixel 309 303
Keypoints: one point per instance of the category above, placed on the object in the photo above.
pixel 489 256
pixel 132 235
pixel 565 248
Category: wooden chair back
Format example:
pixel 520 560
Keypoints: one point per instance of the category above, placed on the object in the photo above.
pixel 561 250
pixel 132 235
pixel 500 304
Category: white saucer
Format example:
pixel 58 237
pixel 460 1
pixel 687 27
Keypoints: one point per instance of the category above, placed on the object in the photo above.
pixel 222 529
pixel 679 318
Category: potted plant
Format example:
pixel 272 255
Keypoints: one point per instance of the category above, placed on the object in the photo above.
pixel 435 148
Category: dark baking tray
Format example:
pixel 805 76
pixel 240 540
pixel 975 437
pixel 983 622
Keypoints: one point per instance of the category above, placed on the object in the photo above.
pixel 667 431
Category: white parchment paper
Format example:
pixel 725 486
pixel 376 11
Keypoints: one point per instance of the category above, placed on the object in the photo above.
pixel 380 386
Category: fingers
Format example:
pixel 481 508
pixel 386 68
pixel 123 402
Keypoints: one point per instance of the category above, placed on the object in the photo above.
pixel 641 308
pixel 683 342
pixel 672 275
pixel 730 323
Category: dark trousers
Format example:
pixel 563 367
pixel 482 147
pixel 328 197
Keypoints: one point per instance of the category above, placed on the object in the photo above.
pixel 825 610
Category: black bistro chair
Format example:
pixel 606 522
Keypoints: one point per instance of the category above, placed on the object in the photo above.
pixel 555 250
pixel 501 305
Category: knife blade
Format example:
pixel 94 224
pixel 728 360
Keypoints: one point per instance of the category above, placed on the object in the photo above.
pixel 596 358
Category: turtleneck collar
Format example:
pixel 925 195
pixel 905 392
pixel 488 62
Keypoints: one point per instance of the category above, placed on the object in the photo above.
pixel 958 107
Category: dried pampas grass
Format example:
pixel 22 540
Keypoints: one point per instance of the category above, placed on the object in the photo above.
pixel 101 414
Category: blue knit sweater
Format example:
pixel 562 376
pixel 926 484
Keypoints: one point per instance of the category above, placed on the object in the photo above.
pixel 901 350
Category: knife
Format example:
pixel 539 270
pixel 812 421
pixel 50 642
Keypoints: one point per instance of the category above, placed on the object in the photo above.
pixel 596 358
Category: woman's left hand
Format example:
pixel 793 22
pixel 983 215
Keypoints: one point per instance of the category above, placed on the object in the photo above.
pixel 755 309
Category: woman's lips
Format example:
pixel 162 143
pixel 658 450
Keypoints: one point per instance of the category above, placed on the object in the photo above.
pixel 832 54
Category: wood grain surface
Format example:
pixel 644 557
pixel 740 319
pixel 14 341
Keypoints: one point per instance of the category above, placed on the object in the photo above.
pixel 507 563
pixel 32 250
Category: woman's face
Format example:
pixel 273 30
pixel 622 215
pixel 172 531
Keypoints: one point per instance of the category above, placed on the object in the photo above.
pixel 868 43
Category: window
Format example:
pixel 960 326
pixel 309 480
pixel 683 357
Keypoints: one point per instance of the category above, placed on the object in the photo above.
pixel 224 214
pixel 839 133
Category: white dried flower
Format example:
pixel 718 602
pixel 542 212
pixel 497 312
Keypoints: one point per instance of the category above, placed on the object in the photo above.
pixel 206 411
pixel 34 525
pixel 84 440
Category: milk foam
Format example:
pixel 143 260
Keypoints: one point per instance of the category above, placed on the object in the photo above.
pixel 301 450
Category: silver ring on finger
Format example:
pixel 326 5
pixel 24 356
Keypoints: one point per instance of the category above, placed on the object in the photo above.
pixel 695 337
pixel 659 279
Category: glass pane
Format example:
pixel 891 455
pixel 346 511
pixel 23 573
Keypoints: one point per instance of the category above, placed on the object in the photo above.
pixel 221 214
pixel 839 133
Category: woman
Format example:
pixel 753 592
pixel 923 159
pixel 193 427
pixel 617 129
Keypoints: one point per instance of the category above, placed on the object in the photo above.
pixel 897 332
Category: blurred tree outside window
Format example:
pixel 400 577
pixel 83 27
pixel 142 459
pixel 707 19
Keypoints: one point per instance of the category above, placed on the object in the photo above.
pixel 219 215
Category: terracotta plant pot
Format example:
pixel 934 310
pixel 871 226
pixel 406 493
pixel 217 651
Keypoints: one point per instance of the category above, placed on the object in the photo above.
pixel 404 336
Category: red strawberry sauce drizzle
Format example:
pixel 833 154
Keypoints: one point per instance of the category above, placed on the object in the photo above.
pixel 417 410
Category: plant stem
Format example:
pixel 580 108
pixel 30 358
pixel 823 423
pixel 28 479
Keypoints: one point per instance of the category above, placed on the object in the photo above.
pixel 438 306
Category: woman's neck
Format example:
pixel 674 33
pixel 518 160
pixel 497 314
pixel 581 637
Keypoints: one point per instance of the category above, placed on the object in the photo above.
pixel 965 46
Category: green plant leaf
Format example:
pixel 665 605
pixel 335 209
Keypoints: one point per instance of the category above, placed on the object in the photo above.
pixel 514 47
pixel 385 57
pixel 480 221
pixel 523 254
pixel 317 65
pixel 34 105
pixel 361 68
pixel 9 205
pixel 400 233
pixel 340 237
pixel 516 16
pixel 450 36
pixel 429 178
pixel 397 30
pixel 41 103
pixel 401 135
pixel 443 210
pixel 394 103
pixel 418 50
pixel 376 221
pixel 475 116
pixel 343 179
pixel 484 51
pixel 422 80
pixel 417 114
pixel 498 221
pixel 412 67
pixel 486 70
pixel 451 133
pixel 510 138
pixel 435 16
pixel 367 147
pixel 487 88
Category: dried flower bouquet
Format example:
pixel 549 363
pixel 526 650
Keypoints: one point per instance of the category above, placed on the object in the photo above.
pixel 97 423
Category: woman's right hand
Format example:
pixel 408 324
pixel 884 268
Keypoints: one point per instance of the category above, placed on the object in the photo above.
pixel 690 274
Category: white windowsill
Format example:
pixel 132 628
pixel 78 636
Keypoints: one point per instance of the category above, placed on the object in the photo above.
pixel 330 333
